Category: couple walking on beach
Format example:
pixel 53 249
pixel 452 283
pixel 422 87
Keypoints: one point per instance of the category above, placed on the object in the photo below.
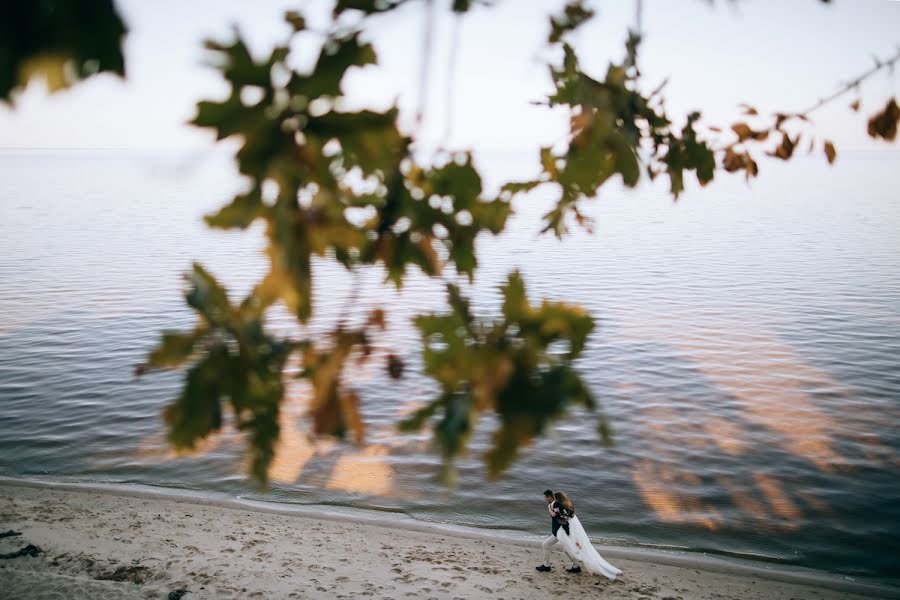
pixel 567 530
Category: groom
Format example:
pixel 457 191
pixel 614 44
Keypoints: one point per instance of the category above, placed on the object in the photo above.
pixel 553 508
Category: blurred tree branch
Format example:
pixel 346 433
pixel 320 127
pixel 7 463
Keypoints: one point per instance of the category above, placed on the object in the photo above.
pixel 346 186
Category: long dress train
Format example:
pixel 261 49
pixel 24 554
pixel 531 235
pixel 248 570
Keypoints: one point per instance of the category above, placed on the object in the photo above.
pixel 579 546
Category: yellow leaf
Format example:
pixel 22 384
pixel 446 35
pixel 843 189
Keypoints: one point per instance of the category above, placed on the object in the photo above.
pixel 52 67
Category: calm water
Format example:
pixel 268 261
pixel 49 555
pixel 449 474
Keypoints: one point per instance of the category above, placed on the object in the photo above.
pixel 746 354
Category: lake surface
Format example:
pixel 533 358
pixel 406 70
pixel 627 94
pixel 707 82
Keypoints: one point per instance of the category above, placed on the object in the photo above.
pixel 746 355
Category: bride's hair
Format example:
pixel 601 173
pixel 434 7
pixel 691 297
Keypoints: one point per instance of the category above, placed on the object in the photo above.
pixel 564 500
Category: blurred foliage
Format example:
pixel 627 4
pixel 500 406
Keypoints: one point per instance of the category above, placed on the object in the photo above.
pixel 329 183
pixel 235 364
pixel 333 184
pixel 62 41
pixel 613 128
pixel 518 368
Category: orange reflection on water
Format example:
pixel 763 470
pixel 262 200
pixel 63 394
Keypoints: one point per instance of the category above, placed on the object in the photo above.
pixel 657 482
pixel 156 447
pixel 294 448
pixel 748 503
pixel 776 497
pixel 767 379
pixel 363 472
pixel 769 385
pixel 725 434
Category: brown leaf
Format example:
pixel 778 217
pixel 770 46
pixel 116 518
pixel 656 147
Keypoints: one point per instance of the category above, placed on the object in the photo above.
pixel 750 167
pixel 326 414
pixel 395 366
pixel 830 152
pixel 742 130
pixel 732 161
pixel 854 106
pixel 749 110
pixel 786 149
pixel 349 403
pixel 377 318
pixel 884 124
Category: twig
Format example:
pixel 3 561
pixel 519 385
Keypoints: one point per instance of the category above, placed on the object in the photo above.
pixel 451 79
pixel 852 85
pixel 427 50
pixel 639 17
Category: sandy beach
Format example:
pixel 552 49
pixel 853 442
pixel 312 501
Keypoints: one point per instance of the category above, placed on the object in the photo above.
pixel 98 544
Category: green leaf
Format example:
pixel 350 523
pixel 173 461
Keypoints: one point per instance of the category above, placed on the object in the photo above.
pixel 461 6
pixel 227 118
pixel 574 15
pixel 175 348
pixel 417 420
pixel 208 297
pixel 336 57
pixel 515 304
pixel 366 6
pixel 263 431
pixel 243 210
pixel 197 412
pixel 461 181
pixel 507 367
pixel 368 139
pixel 518 187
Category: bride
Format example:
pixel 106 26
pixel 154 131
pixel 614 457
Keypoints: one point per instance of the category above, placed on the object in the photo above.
pixel 574 539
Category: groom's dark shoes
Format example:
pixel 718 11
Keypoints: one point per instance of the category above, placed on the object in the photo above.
pixel 543 568
pixel 575 569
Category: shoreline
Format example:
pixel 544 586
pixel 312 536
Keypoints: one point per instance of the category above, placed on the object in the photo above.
pixel 643 567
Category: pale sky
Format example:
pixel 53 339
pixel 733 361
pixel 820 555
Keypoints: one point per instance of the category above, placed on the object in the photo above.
pixel 774 54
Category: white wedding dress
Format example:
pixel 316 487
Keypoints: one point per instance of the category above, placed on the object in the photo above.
pixel 579 547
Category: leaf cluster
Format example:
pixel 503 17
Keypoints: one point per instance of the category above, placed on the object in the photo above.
pixel 518 367
pixel 614 128
pixel 334 184
pixel 234 364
